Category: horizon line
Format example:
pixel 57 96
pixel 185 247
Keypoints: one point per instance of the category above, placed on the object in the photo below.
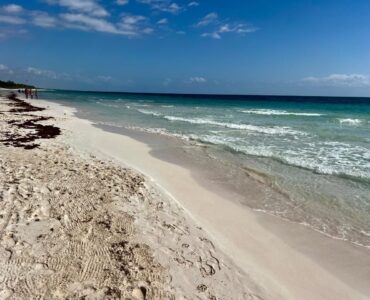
pixel 202 94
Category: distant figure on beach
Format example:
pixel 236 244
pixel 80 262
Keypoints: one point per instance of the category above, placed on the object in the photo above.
pixel 36 94
pixel 26 92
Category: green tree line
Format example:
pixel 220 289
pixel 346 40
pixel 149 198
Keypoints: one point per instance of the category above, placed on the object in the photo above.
pixel 13 85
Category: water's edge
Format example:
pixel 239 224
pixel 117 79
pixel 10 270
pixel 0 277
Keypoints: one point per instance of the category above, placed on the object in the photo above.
pixel 336 205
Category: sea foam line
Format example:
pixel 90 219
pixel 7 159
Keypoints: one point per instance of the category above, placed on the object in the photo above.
pixel 341 163
pixel 149 112
pixel 199 121
pixel 349 121
pixel 266 130
pixel 272 112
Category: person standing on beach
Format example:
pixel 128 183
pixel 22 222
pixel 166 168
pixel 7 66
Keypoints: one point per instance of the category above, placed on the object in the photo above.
pixel 36 94
pixel 26 92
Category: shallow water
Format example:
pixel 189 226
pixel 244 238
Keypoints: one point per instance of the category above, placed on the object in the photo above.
pixel 314 150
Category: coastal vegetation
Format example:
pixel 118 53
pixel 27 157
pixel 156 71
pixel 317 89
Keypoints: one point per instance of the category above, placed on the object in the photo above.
pixel 13 85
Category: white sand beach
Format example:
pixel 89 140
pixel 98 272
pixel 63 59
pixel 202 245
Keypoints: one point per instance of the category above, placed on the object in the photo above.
pixel 93 214
pixel 76 226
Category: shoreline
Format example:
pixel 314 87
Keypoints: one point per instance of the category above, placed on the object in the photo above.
pixel 332 204
pixel 207 169
pixel 75 226
pixel 291 242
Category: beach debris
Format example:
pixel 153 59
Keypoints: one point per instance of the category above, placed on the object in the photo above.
pixel 28 128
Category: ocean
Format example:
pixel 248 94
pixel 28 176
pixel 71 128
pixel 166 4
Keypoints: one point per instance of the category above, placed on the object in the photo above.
pixel 315 151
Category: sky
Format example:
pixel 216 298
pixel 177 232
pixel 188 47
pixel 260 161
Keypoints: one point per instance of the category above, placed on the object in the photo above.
pixel 285 47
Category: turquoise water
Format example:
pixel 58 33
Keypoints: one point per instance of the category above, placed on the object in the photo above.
pixel 316 150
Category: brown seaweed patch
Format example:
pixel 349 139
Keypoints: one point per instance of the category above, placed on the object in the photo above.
pixel 22 106
pixel 35 131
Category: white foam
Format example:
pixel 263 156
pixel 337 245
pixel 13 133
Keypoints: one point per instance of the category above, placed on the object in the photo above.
pixel 149 112
pixel 331 159
pixel 273 112
pixel 349 121
pixel 135 104
pixel 253 128
pixel 111 124
pixel 365 233
pixel 160 131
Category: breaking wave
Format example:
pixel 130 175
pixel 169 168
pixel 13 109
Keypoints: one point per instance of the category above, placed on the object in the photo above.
pixel 278 130
pixel 349 121
pixel 273 112
pixel 149 112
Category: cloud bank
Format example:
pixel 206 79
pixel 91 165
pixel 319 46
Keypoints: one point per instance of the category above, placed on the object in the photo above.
pixel 349 80
pixel 91 15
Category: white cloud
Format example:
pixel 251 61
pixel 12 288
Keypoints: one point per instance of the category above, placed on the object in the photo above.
pixel 162 21
pixel 354 80
pixel 239 28
pixel 76 26
pixel 37 18
pixel 90 15
pixel 193 4
pixel 173 8
pixel 38 74
pixel 90 7
pixel 215 35
pixel 42 19
pixel 197 79
pixel 147 30
pixel 68 77
pixel 85 22
pixel 5 69
pixel 132 19
pixel 208 19
pixel 163 5
pixel 130 25
pixel 135 25
pixel 222 27
pixel 12 20
pixel 43 73
pixel 12 8
pixel 122 2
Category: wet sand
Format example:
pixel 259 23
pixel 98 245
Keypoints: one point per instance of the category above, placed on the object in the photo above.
pixel 348 262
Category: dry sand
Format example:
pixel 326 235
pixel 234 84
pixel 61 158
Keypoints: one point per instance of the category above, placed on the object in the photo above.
pixel 76 227
pixel 166 232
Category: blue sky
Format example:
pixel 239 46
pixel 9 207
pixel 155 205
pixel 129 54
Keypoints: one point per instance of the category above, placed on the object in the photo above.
pixel 311 47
